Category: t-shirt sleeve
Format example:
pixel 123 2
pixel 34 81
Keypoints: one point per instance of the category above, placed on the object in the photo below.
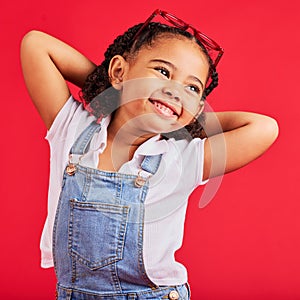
pixel 63 118
pixel 200 169
pixel 194 161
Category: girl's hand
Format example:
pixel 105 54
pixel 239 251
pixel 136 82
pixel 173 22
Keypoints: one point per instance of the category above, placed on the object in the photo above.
pixel 47 63
pixel 245 137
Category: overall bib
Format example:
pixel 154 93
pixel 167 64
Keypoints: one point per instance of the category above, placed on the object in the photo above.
pixel 98 233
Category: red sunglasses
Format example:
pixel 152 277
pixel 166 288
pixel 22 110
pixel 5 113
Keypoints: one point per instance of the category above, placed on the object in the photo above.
pixel 214 50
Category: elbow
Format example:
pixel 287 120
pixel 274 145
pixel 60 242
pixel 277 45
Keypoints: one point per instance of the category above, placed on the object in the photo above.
pixel 269 130
pixel 27 41
pixel 31 45
pixel 30 40
pixel 272 129
pixel 30 33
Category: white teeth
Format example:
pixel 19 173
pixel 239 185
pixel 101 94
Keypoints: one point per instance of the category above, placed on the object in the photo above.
pixel 163 109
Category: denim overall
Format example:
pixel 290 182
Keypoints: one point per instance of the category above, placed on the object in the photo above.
pixel 98 233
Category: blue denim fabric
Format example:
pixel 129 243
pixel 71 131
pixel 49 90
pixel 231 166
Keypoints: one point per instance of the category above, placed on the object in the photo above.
pixel 141 294
pixel 98 234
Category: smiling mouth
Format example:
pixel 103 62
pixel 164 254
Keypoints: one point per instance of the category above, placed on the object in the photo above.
pixel 164 108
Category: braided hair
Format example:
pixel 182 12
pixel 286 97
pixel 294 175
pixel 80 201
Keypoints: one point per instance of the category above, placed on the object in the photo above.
pixel 101 100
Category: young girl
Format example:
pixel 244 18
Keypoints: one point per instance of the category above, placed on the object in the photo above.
pixel 125 159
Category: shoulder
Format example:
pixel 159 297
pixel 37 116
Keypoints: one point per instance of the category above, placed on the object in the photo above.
pixel 185 147
pixel 70 120
pixel 188 157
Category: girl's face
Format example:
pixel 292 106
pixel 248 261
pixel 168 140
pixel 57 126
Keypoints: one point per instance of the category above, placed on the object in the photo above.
pixel 163 85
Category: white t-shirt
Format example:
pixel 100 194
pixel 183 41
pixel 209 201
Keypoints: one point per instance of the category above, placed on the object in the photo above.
pixel 179 173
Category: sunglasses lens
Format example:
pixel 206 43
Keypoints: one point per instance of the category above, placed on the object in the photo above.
pixel 175 21
pixel 214 50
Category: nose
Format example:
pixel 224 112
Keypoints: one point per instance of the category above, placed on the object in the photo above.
pixel 171 93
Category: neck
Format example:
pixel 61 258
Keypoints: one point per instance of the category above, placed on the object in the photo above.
pixel 124 134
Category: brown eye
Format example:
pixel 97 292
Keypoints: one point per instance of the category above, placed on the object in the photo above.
pixel 194 89
pixel 163 71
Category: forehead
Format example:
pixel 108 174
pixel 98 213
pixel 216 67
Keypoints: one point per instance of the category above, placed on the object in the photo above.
pixel 177 49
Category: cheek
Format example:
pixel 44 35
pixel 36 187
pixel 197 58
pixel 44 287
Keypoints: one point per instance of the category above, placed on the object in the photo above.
pixel 185 118
pixel 134 107
pixel 135 89
pixel 190 109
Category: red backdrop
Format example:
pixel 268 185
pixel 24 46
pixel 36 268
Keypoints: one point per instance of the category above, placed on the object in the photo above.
pixel 245 244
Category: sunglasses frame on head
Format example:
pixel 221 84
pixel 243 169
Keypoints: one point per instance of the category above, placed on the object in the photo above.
pixel 207 42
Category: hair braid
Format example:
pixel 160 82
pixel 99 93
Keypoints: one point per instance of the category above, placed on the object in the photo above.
pixel 213 84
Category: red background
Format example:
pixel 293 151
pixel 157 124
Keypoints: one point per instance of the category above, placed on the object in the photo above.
pixel 245 244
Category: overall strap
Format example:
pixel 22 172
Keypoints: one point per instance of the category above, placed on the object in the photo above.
pixel 80 146
pixel 151 163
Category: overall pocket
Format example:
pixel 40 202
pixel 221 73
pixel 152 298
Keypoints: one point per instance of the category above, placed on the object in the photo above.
pixel 97 232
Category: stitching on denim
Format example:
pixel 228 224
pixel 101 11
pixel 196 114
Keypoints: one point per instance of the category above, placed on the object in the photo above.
pixel 117 283
pixel 183 291
pixel 84 138
pixel 141 239
pixel 150 164
pixel 122 210
pixel 55 222
pixel 134 295
pixel 86 186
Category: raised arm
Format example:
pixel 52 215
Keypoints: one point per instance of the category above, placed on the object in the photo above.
pixel 47 63
pixel 245 137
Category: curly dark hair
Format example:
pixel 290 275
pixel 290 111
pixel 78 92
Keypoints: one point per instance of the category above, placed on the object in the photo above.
pixel 102 101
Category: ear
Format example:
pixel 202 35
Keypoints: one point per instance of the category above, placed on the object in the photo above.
pixel 201 108
pixel 116 70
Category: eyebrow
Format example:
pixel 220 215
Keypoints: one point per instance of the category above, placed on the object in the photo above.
pixel 174 68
